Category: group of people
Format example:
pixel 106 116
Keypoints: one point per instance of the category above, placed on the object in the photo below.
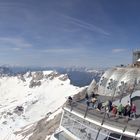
pixel 127 110
pixel 94 102
pixel 111 109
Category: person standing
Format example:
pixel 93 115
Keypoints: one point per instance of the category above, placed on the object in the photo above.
pixel 114 111
pixel 70 100
pixel 133 111
pixel 120 109
pixel 128 109
pixel 86 96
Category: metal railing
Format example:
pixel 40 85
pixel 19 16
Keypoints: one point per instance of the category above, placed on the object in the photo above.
pixel 104 117
pixel 96 132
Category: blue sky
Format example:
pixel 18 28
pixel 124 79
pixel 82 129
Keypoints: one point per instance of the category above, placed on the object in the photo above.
pixel 91 33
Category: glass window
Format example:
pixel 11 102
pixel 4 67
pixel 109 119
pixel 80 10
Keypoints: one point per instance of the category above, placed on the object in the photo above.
pixel 114 135
pixel 126 138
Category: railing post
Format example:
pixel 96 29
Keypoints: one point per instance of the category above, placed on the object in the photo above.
pixel 98 133
pixel 136 134
pixel 124 128
pixel 103 117
pixel 71 105
pixel 71 108
pixel 113 95
pixel 86 112
pixel 131 95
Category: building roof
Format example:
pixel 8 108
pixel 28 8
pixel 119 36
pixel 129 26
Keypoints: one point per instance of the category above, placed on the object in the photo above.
pixel 118 80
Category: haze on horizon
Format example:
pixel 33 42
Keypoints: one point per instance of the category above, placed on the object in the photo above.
pixel 89 33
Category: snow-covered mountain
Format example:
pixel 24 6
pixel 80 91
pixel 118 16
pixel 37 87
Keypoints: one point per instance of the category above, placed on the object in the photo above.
pixel 79 76
pixel 26 99
pixel 5 71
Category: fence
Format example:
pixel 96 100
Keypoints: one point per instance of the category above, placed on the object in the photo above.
pixel 123 123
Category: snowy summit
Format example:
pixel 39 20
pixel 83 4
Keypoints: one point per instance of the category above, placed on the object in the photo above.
pixel 25 99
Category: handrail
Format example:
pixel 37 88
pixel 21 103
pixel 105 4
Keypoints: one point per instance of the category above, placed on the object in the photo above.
pixel 102 114
pixel 76 103
pixel 98 133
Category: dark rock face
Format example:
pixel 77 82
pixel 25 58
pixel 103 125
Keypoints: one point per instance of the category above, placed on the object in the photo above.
pixel 34 83
pixel 52 75
pixel 21 77
pixel 38 75
pixel 45 128
pixel 42 128
pixel 19 110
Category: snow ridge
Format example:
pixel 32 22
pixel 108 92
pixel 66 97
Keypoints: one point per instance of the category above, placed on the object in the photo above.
pixel 27 98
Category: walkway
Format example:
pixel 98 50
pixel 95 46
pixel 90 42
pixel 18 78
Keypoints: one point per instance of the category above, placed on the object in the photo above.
pixel 121 123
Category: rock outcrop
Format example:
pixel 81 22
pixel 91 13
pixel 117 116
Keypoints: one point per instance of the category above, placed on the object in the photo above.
pixel 34 83
pixel 38 75
pixel 41 129
pixel 63 77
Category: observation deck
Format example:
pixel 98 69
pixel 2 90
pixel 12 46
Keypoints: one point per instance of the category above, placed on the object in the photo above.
pixel 80 121
pixel 85 123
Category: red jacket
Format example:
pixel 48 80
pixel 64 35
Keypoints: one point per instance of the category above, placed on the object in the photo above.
pixel 114 110
pixel 133 108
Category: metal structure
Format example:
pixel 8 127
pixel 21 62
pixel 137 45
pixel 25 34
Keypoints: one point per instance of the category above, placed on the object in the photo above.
pixel 91 124
pixel 117 80
pixel 136 55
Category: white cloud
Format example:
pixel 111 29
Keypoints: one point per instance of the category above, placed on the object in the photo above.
pixel 117 50
pixel 15 44
pixel 87 26
pixel 62 50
